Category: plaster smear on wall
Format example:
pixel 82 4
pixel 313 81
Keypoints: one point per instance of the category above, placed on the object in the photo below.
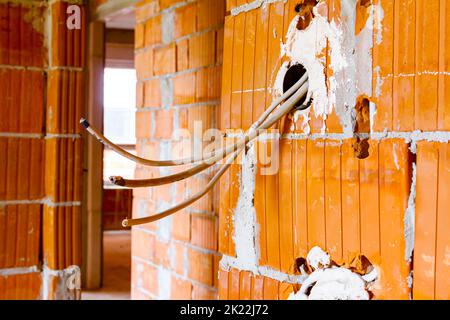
pixel 410 217
pixel 64 284
pixel 350 62
pixel 245 225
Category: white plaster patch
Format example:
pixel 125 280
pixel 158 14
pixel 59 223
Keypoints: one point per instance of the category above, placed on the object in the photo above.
pixel 395 154
pixel 410 280
pixel 166 92
pixel 168 27
pixel 350 59
pixel 317 258
pixel 68 285
pixel 245 233
pixel 227 263
pixel 371 276
pixel 304 126
pixel 378 19
pixel 304 47
pixel 373 112
pixel 17 271
pixel 164 283
pixel 363 51
pixel 379 81
pixel 164 230
pixel 332 284
pixel 409 220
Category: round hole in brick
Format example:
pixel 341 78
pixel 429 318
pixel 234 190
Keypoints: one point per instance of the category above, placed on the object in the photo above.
pixel 292 76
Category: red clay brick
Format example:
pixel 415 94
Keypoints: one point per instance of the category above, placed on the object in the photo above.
pixel 181 226
pixel 184 88
pixel 183 55
pixel 202 50
pixel 164 60
pixel 146 9
pixel 144 64
pixel 208 84
pixel 148 148
pixel 153 34
pixel 164 4
pixel 21 287
pixel 139 36
pixel 140 86
pixel 179 252
pixel 185 20
pixel 203 293
pixel 139 295
pixel 150 279
pixel 211 13
pixel 204 204
pixel 67 45
pixel 143 245
pixel 164 194
pixel 163 124
pixel 143 124
pixel 162 254
pixel 181 289
pixel 21 43
pixel 152 93
pixel 201 266
pixel 204 231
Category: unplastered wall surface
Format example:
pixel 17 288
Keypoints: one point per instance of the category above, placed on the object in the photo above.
pixel 179 64
pixel 41 81
pixel 364 170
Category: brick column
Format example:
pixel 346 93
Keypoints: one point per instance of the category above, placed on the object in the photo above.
pixel 178 61
pixel 41 83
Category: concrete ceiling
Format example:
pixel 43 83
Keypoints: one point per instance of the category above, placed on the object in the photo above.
pixel 124 19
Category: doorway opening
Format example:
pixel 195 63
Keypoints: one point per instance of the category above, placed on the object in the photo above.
pixel 119 108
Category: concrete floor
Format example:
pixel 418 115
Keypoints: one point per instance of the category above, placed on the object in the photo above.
pixel 116 268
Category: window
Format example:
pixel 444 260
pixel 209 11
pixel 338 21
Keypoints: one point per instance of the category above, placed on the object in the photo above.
pixel 119 121
pixel 120 105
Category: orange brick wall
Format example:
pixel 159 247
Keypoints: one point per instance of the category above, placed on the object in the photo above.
pixel 41 100
pixel 178 62
pixel 323 195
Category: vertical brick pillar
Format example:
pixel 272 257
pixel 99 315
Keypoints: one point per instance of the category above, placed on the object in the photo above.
pixel 41 81
pixel 22 148
pixel 178 61
pixel 63 179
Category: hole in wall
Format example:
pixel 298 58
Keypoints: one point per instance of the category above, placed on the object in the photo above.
pixel 292 76
pixel 362 126
pixel 305 11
